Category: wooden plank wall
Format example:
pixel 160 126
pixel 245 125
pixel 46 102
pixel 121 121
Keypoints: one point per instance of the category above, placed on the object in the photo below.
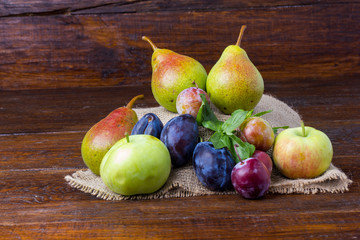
pixel 65 43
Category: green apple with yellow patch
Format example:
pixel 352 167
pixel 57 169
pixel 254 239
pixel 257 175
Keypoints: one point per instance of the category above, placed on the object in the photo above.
pixel 302 152
pixel 137 164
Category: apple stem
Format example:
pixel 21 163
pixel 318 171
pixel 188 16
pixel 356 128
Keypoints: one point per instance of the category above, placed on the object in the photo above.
pixel 240 35
pixel 131 103
pixel 303 128
pixel 195 84
pixel 127 137
pixel 145 38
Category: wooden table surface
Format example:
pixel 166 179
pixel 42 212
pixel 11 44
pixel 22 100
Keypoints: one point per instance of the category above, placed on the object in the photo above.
pixel 41 133
pixel 65 64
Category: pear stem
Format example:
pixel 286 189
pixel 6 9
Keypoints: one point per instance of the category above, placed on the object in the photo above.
pixel 131 103
pixel 145 38
pixel 241 35
pixel 127 137
pixel 303 128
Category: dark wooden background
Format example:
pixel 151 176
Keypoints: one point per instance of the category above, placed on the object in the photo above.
pixel 60 44
pixel 66 64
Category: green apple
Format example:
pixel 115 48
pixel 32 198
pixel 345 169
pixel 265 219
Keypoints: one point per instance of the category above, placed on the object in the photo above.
pixel 302 152
pixel 137 164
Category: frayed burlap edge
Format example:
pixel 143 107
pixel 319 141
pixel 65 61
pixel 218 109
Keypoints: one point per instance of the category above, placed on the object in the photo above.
pixel 183 182
pixel 88 182
pixel 332 181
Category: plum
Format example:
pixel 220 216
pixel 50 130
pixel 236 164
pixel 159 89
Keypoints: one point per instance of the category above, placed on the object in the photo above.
pixel 258 132
pixel 180 135
pixel 189 101
pixel 213 166
pixel 265 158
pixel 149 124
pixel 250 178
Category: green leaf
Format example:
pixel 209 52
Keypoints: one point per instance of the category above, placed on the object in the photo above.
pixel 275 129
pixel 199 116
pixel 261 113
pixel 244 149
pixel 249 114
pixel 206 116
pixel 221 140
pixel 217 140
pixel 237 117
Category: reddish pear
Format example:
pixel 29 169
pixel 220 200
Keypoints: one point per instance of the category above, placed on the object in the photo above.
pixel 104 134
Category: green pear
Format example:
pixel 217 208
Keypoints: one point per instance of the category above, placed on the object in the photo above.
pixel 104 134
pixel 172 73
pixel 234 82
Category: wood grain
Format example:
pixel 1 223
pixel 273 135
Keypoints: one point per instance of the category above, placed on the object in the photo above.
pixel 66 64
pixel 57 51
pixel 36 155
pixel 43 7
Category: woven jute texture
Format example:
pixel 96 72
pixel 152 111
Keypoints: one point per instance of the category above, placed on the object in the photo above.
pixel 183 182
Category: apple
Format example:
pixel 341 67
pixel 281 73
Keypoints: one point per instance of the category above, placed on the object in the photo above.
pixel 302 152
pixel 137 164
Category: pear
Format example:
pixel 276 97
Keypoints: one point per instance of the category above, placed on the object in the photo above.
pixel 172 73
pixel 104 134
pixel 234 82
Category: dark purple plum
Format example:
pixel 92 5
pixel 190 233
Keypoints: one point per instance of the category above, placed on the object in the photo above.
pixel 213 166
pixel 149 124
pixel 251 178
pixel 180 135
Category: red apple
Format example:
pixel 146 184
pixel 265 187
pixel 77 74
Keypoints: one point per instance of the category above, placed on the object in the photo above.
pixel 302 152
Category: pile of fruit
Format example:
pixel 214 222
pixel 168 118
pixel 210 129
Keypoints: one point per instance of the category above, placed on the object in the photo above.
pixel 135 156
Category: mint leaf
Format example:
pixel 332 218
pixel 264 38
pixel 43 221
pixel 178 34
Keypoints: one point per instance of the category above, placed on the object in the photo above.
pixel 243 149
pixel 223 136
pixel 206 116
pixel 199 116
pixel 217 140
pixel 275 129
pixel 261 113
pixel 237 117
pixel 221 140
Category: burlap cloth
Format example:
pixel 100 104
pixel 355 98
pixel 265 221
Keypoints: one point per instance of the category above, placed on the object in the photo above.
pixel 183 182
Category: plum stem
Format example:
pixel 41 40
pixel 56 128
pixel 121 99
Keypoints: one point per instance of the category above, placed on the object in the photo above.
pixel 303 128
pixel 127 137
pixel 131 103
pixel 236 150
pixel 145 38
pixel 240 35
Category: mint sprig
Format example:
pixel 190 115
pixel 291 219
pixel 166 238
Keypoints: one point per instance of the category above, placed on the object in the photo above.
pixel 206 116
pixel 223 135
pixel 224 132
